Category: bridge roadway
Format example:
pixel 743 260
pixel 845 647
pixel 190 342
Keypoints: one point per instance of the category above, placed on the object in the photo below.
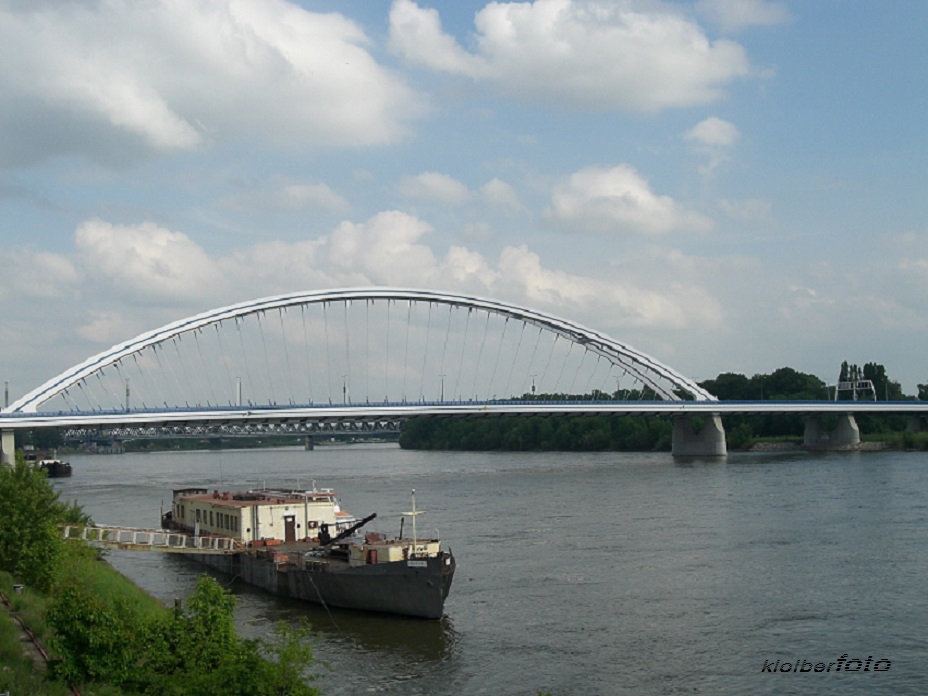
pixel 360 412
pixel 698 430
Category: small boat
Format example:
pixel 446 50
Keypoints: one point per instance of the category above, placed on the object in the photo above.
pixel 54 468
pixel 302 545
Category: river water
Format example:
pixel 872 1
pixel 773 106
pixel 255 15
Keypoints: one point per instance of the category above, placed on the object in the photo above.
pixel 597 573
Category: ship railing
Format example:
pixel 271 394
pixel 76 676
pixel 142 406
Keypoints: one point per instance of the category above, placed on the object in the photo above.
pixel 104 536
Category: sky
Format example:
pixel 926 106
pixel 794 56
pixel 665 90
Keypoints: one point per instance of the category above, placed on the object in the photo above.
pixel 726 185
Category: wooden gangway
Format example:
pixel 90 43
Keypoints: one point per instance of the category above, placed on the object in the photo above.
pixel 128 538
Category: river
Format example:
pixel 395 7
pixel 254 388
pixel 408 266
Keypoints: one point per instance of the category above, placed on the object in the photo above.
pixel 596 573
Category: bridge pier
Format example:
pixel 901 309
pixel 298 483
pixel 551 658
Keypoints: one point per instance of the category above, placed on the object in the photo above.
pixel 708 442
pixel 917 424
pixel 845 436
pixel 7 447
pixel 309 443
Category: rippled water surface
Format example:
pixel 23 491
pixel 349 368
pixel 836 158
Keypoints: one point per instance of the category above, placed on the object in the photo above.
pixel 592 573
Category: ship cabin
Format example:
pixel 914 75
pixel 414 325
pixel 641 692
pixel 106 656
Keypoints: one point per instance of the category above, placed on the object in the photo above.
pixel 257 516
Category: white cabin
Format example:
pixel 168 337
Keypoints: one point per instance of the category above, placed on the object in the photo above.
pixel 254 516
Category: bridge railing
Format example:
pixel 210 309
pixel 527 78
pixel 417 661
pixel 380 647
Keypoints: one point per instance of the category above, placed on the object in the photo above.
pixel 103 536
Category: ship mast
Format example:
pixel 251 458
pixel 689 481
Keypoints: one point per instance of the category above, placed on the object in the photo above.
pixel 415 513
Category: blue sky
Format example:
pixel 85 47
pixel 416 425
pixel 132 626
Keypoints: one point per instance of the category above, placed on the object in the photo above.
pixel 728 185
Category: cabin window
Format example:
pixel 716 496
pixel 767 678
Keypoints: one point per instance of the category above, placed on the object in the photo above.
pixel 210 518
pixel 198 514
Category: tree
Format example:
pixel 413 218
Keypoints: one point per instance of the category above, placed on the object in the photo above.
pixel 91 639
pixel 196 651
pixel 30 543
pixel 923 392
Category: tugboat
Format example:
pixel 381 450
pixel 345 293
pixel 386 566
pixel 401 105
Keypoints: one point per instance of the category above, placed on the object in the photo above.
pixel 300 544
pixel 52 466
pixel 55 468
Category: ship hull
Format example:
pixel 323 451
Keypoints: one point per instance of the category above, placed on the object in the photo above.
pixel 414 588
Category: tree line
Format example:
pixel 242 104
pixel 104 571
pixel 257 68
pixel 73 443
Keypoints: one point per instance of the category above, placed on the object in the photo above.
pixel 654 433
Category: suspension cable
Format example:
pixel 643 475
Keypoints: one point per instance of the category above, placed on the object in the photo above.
pixel 457 380
pixel 209 381
pixel 479 356
pixel 406 354
pixel 245 361
pixel 425 353
pixel 222 357
pixel 531 362
pixel 183 369
pixel 499 351
pixel 386 359
pixel 544 373
pixel 309 374
pixel 345 384
pixel 267 361
pixel 570 348
pixel 328 360
pixel 283 339
pixel 512 367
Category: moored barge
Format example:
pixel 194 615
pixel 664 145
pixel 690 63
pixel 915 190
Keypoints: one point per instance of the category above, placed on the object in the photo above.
pixel 301 544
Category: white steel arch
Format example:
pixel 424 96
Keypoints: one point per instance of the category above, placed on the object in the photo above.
pixel 664 381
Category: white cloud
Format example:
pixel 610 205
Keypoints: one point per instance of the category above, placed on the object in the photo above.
pixel 712 139
pixel 501 194
pixel 733 15
pixel 310 196
pixel 417 36
pixel 145 263
pixel 434 186
pixel 144 275
pixel 619 200
pixel 140 77
pixel 632 55
pixel 39 275
pixel 713 132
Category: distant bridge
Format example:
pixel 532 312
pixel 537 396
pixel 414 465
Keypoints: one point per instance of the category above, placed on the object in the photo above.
pixel 373 355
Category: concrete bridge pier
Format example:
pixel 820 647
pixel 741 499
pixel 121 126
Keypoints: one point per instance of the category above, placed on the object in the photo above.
pixel 7 447
pixel 709 441
pixel 845 436
pixel 917 424
pixel 309 443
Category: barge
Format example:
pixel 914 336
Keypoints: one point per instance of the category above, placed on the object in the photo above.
pixel 302 545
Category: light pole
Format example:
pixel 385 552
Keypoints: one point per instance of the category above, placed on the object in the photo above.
pixel 442 396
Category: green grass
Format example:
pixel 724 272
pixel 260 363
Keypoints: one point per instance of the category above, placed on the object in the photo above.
pixel 18 674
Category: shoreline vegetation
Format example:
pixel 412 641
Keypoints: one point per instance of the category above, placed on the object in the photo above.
pixel 655 433
pixel 105 635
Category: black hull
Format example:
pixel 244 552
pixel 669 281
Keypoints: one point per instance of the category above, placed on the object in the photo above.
pixel 415 588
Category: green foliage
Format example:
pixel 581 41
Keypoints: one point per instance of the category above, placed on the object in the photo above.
pixel 105 631
pixel 190 651
pixel 636 433
pixel 539 433
pixel 884 389
pixel 91 638
pixel 29 538
pixel 196 651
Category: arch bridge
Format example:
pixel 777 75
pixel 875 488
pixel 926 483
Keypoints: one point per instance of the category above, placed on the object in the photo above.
pixel 366 355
